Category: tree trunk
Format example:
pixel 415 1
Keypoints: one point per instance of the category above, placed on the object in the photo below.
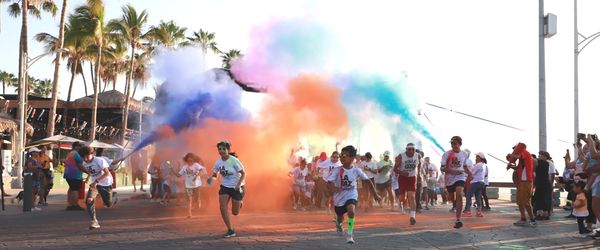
pixel 96 90
pixel 127 89
pixel 135 85
pixel 84 82
pixel 61 34
pixel 3 88
pixel 22 91
pixel 72 80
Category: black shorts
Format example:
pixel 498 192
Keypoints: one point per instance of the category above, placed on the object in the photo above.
pixel 383 186
pixel 74 185
pixel 452 189
pixel 236 195
pixel 344 209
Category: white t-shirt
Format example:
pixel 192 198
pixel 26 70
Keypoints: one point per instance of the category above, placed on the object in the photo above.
pixel 192 175
pixel 96 168
pixel 299 176
pixel 486 179
pixel 384 176
pixel 478 171
pixel 230 171
pixel 431 172
pixel 409 164
pixel 346 179
pixel 458 162
pixel 371 165
pixel 326 167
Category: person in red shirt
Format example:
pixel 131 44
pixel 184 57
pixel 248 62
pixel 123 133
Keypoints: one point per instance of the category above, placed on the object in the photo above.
pixel 525 168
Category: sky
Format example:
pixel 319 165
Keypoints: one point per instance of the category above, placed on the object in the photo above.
pixel 475 56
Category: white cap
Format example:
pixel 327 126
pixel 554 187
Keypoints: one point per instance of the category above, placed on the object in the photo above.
pixel 386 153
pixel 481 155
pixel 33 150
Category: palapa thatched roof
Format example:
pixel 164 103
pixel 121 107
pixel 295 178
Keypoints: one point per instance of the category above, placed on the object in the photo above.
pixel 111 99
pixel 12 125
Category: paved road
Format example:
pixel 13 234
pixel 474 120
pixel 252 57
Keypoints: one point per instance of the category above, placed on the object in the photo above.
pixel 139 224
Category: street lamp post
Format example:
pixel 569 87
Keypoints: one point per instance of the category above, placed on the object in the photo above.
pixel 547 29
pixel 576 43
pixel 22 107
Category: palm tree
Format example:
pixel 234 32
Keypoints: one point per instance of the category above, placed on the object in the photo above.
pixel 90 18
pixel 61 35
pixel 130 28
pixel 42 87
pixel 228 56
pixel 7 79
pixel 205 40
pixel 167 34
pixel 26 7
pixel 140 72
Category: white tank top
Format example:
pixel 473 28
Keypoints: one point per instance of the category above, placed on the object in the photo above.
pixel 409 164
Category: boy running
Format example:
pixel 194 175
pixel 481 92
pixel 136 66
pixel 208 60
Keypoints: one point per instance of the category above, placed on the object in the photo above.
pixel 453 164
pixel 343 180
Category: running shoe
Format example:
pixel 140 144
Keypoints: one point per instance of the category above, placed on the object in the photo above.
pixel 532 224
pixel 458 224
pixel 479 214
pixel 94 225
pixel 115 199
pixel 520 223
pixel 349 238
pixel 230 233
pixel 36 209
pixel 412 221
pixel 338 227
pixel 467 213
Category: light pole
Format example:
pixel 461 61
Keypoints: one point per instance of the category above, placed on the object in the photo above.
pixel 146 99
pixel 576 43
pixel 547 29
pixel 22 108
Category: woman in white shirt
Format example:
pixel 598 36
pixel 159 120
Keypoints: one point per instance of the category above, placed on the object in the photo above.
pixel 477 177
pixel 232 183
pixel 193 172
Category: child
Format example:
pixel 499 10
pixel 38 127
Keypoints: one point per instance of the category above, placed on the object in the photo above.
pixel 344 181
pixel 580 207
pixel 192 171
pixel 155 173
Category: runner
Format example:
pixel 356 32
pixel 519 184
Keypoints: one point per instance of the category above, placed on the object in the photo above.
pixel 232 184
pixel 325 169
pixel 101 183
pixel 453 164
pixel 408 165
pixel 193 172
pixel 477 185
pixel 383 179
pixel 369 167
pixel 431 176
pixel 344 181
pixel 298 175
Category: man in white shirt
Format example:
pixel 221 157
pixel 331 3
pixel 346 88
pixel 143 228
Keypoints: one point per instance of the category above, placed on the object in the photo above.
pixel 408 166
pixel 431 176
pixel 383 178
pixel 454 165
pixel 101 183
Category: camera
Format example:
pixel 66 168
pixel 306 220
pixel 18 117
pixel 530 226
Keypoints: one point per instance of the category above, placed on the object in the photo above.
pixel 595 137
pixel 580 136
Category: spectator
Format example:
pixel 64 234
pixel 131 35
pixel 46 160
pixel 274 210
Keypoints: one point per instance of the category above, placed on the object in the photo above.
pixel 477 184
pixel 155 172
pixel 74 175
pixel 524 169
pixel 543 187
pixel 580 207
pixel 33 167
pixel 46 177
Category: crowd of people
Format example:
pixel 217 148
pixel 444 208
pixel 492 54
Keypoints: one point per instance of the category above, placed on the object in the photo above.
pixel 344 182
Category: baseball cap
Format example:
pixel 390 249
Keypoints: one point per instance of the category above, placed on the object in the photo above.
pixel 34 150
pixel 545 153
pixel 386 153
pixel 480 155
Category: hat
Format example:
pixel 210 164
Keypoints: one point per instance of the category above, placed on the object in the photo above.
pixel 545 153
pixel 468 152
pixel 386 153
pixel 480 155
pixel 34 150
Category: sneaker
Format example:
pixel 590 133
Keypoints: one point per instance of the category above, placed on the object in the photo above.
pixel 596 235
pixel 467 213
pixel 349 238
pixel 163 203
pixel 452 210
pixel 458 224
pixel 479 214
pixel 36 209
pixel 532 224
pixel 402 210
pixel 338 227
pixel 77 208
pixel 94 225
pixel 115 199
pixel 487 209
pixel 412 221
pixel 230 233
pixel 586 231
pixel 520 223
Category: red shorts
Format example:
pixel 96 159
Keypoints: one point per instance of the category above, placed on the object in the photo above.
pixel 406 184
